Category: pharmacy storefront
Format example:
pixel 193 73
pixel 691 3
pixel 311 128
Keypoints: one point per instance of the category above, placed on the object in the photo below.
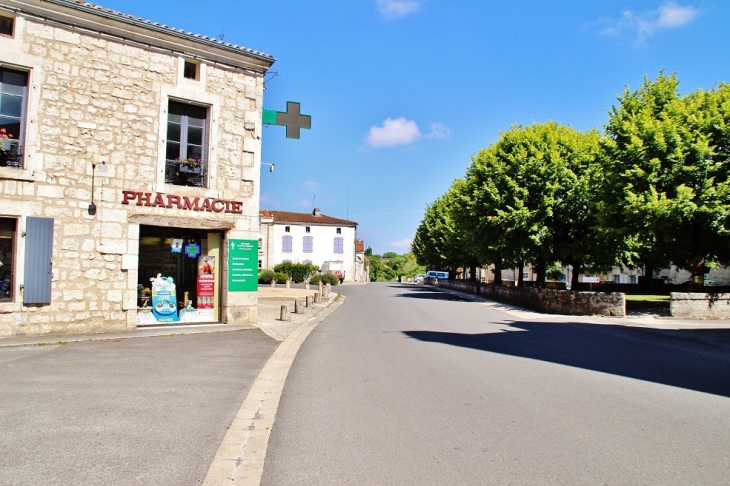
pixel 184 272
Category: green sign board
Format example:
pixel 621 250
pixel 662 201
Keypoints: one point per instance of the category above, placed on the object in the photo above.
pixel 292 119
pixel 243 265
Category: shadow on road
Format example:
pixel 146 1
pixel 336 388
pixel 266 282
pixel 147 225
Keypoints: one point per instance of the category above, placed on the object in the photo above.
pixel 418 292
pixel 692 359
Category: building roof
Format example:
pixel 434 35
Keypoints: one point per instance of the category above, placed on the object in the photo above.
pixel 290 217
pixel 87 8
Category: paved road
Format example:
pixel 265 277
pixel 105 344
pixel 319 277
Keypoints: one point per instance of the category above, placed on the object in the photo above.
pixel 146 411
pixel 407 385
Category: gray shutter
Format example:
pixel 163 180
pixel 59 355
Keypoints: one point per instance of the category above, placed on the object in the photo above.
pixel 38 254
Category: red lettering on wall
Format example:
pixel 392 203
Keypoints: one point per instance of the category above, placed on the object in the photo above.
pixel 214 205
pixel 128 196
pixel 236 207
pixel 186 204
pixel 146 196
pixel 159 200
pixel 173 199
pixel 206 205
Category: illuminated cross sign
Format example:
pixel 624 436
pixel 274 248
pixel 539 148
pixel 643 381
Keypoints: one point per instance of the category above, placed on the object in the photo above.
pixel 292 119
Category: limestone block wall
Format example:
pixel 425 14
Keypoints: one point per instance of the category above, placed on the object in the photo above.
pixel 695 305
pixel 547 300
pixel 96 100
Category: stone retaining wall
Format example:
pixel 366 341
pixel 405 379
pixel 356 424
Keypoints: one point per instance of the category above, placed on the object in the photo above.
pixel 697 305
pixel 546 300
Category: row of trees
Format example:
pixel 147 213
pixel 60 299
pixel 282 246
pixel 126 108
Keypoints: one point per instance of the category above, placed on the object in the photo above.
pixel 390 266
pixel 652 189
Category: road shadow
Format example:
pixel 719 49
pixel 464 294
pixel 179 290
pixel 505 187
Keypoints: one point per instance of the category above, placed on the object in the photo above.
pixel 697 359
pixel 430 293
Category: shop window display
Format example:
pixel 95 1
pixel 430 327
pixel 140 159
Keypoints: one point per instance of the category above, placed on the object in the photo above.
pixel 7 237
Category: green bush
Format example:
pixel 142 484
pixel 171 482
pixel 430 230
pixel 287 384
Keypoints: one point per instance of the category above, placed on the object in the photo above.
pixel 325 278
pixel 266 276
pixel 281 277
pixel 298 272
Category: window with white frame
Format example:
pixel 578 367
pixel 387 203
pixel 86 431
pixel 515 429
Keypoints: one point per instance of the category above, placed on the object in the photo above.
pixel 13 101
pixel 339 245
pixel 187 125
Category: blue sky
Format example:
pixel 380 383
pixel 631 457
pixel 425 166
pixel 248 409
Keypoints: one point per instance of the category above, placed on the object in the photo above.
pixel 403 92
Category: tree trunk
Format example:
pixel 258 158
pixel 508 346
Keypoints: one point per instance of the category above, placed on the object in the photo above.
pixel 520 275
pixel 541 269
pixel 575 278
pixel 648 276
pixel 497 272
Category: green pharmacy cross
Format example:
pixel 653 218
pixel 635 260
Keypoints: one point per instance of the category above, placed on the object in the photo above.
pixel 292 119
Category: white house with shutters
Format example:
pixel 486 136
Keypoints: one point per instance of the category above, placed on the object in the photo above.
pixel 307 238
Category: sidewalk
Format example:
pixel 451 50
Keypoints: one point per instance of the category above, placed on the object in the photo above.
pixel 269 308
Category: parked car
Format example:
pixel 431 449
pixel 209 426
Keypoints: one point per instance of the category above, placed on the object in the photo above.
pixel 419 278
pixel 437 274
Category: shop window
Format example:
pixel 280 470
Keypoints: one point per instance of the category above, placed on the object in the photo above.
pixel 308 244
pixel 286 245
pixel 6 26
pixel 339 245
pixel 7 257
pixel 339 231
pixel 13 100
pixel 186 163
pixel 190 70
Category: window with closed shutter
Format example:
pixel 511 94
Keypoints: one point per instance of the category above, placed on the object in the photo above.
pixel 308 244
pixel 38 254
pixel 286 243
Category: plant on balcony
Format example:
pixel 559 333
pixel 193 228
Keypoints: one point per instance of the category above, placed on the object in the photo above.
pixel 190 162
pixel 4 135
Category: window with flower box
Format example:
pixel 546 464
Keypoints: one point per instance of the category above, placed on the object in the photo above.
pixel 186 163
pixel 13 100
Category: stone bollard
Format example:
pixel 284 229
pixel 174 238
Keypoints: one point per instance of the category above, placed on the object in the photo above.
pixel 319 287
pixel 285 313
pixel 306 285
pixel 308 302
pixel 317 298
pixel 329 289
pixel 298 306
pixel 273 283
pixel 288 283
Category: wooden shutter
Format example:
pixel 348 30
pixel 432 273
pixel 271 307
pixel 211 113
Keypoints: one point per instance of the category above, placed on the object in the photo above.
pixel 38 254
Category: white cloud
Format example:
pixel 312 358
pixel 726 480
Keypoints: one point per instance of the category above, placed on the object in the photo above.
pixel 642 25
pixel 402 132
pixel 395 9
pixel 402 244
pixel 438 130
pixel 307 203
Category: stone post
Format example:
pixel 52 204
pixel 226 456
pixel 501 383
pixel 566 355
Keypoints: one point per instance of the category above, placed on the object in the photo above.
pixel 308 301
pixel 317 297
pixel 288 283
pixel 306 284
pixel 298 306
pixel 273 283
pixel 319 287
pixel 285 313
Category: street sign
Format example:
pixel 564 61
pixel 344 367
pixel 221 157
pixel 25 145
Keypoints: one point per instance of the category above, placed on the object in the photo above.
pixel 591 280
pixel 243 275
pixel 292 119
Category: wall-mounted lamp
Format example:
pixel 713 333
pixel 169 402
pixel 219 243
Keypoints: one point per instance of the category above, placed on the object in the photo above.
pixel 102 169
pixel 271 166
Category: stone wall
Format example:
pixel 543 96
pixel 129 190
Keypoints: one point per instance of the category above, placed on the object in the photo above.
pixel 546 300
pixel 94 99
pixel 699 305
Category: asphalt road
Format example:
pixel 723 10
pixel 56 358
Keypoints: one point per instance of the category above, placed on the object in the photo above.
pixel 407 385
pixel 144 411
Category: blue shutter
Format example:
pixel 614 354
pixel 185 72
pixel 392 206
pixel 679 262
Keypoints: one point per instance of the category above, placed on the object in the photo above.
pixel 38 254
pixel 308 240
pixel 286 243
pixel 339 245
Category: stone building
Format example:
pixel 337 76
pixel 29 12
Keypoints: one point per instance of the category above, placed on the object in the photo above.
pixel 310 238
pixel 129 170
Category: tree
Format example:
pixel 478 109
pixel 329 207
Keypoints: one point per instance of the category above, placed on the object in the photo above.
pixel 528 197
pixel 666 191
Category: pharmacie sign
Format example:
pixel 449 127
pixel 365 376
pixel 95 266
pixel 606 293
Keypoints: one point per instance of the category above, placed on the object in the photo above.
pixel 160 200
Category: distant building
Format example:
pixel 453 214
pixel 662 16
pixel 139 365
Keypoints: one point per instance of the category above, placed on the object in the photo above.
pixel 310 238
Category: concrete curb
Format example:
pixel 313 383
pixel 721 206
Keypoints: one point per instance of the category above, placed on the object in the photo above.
pixel 240 457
